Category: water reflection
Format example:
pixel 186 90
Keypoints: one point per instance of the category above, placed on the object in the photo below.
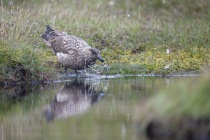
pixel 17 93
pixel 24 110
pixel 73 99
pixel 22 95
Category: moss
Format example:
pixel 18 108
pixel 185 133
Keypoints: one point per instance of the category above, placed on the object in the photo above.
pixel 24 63
pixel 156 60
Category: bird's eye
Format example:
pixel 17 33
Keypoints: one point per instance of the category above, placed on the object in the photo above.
pixel 93 52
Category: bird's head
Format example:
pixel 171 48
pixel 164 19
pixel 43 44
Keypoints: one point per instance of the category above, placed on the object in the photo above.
pixel 96 53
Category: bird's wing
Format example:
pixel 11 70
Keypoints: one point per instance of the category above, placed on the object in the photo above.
pixel 67 44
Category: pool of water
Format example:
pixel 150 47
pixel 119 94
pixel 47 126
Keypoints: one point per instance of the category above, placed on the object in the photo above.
pixel 90 109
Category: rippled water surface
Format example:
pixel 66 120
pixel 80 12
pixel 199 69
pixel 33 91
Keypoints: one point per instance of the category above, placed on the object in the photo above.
pixel 83 109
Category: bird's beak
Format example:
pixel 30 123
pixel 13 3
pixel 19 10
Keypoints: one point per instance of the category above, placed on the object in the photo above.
pixel 100 58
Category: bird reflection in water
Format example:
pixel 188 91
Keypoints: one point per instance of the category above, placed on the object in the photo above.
pixel 73 99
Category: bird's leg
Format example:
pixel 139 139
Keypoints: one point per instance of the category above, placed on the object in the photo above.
pixel 76 73
pixel 66 71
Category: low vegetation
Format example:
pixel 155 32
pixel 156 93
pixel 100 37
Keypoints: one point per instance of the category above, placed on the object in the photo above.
pixel 179 112
pixel 132 35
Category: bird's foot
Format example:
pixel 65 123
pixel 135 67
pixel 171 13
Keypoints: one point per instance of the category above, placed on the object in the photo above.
pixel 70 75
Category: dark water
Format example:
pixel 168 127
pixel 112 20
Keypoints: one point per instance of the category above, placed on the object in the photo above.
pixel 83 109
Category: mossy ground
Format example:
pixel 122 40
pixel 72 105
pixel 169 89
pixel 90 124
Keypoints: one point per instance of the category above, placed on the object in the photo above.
pixel 133 36
pixel 156 60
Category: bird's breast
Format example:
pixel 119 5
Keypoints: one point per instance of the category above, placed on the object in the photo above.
pixel 75 60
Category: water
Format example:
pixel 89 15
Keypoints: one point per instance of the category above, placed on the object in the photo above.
pixel 90 109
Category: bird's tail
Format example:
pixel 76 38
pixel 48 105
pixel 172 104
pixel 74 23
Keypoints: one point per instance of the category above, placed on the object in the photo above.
pixel 47 33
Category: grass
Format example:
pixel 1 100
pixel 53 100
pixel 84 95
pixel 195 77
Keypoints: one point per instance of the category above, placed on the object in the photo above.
pixel 132 35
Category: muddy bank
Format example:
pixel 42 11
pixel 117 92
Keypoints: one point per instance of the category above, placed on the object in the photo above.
pixel 91 76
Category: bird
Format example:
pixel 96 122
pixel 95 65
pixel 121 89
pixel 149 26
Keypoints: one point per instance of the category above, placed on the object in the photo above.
pixel 73 52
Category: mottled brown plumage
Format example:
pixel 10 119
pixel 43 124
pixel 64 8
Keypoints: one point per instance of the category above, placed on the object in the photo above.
pixel 70 50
